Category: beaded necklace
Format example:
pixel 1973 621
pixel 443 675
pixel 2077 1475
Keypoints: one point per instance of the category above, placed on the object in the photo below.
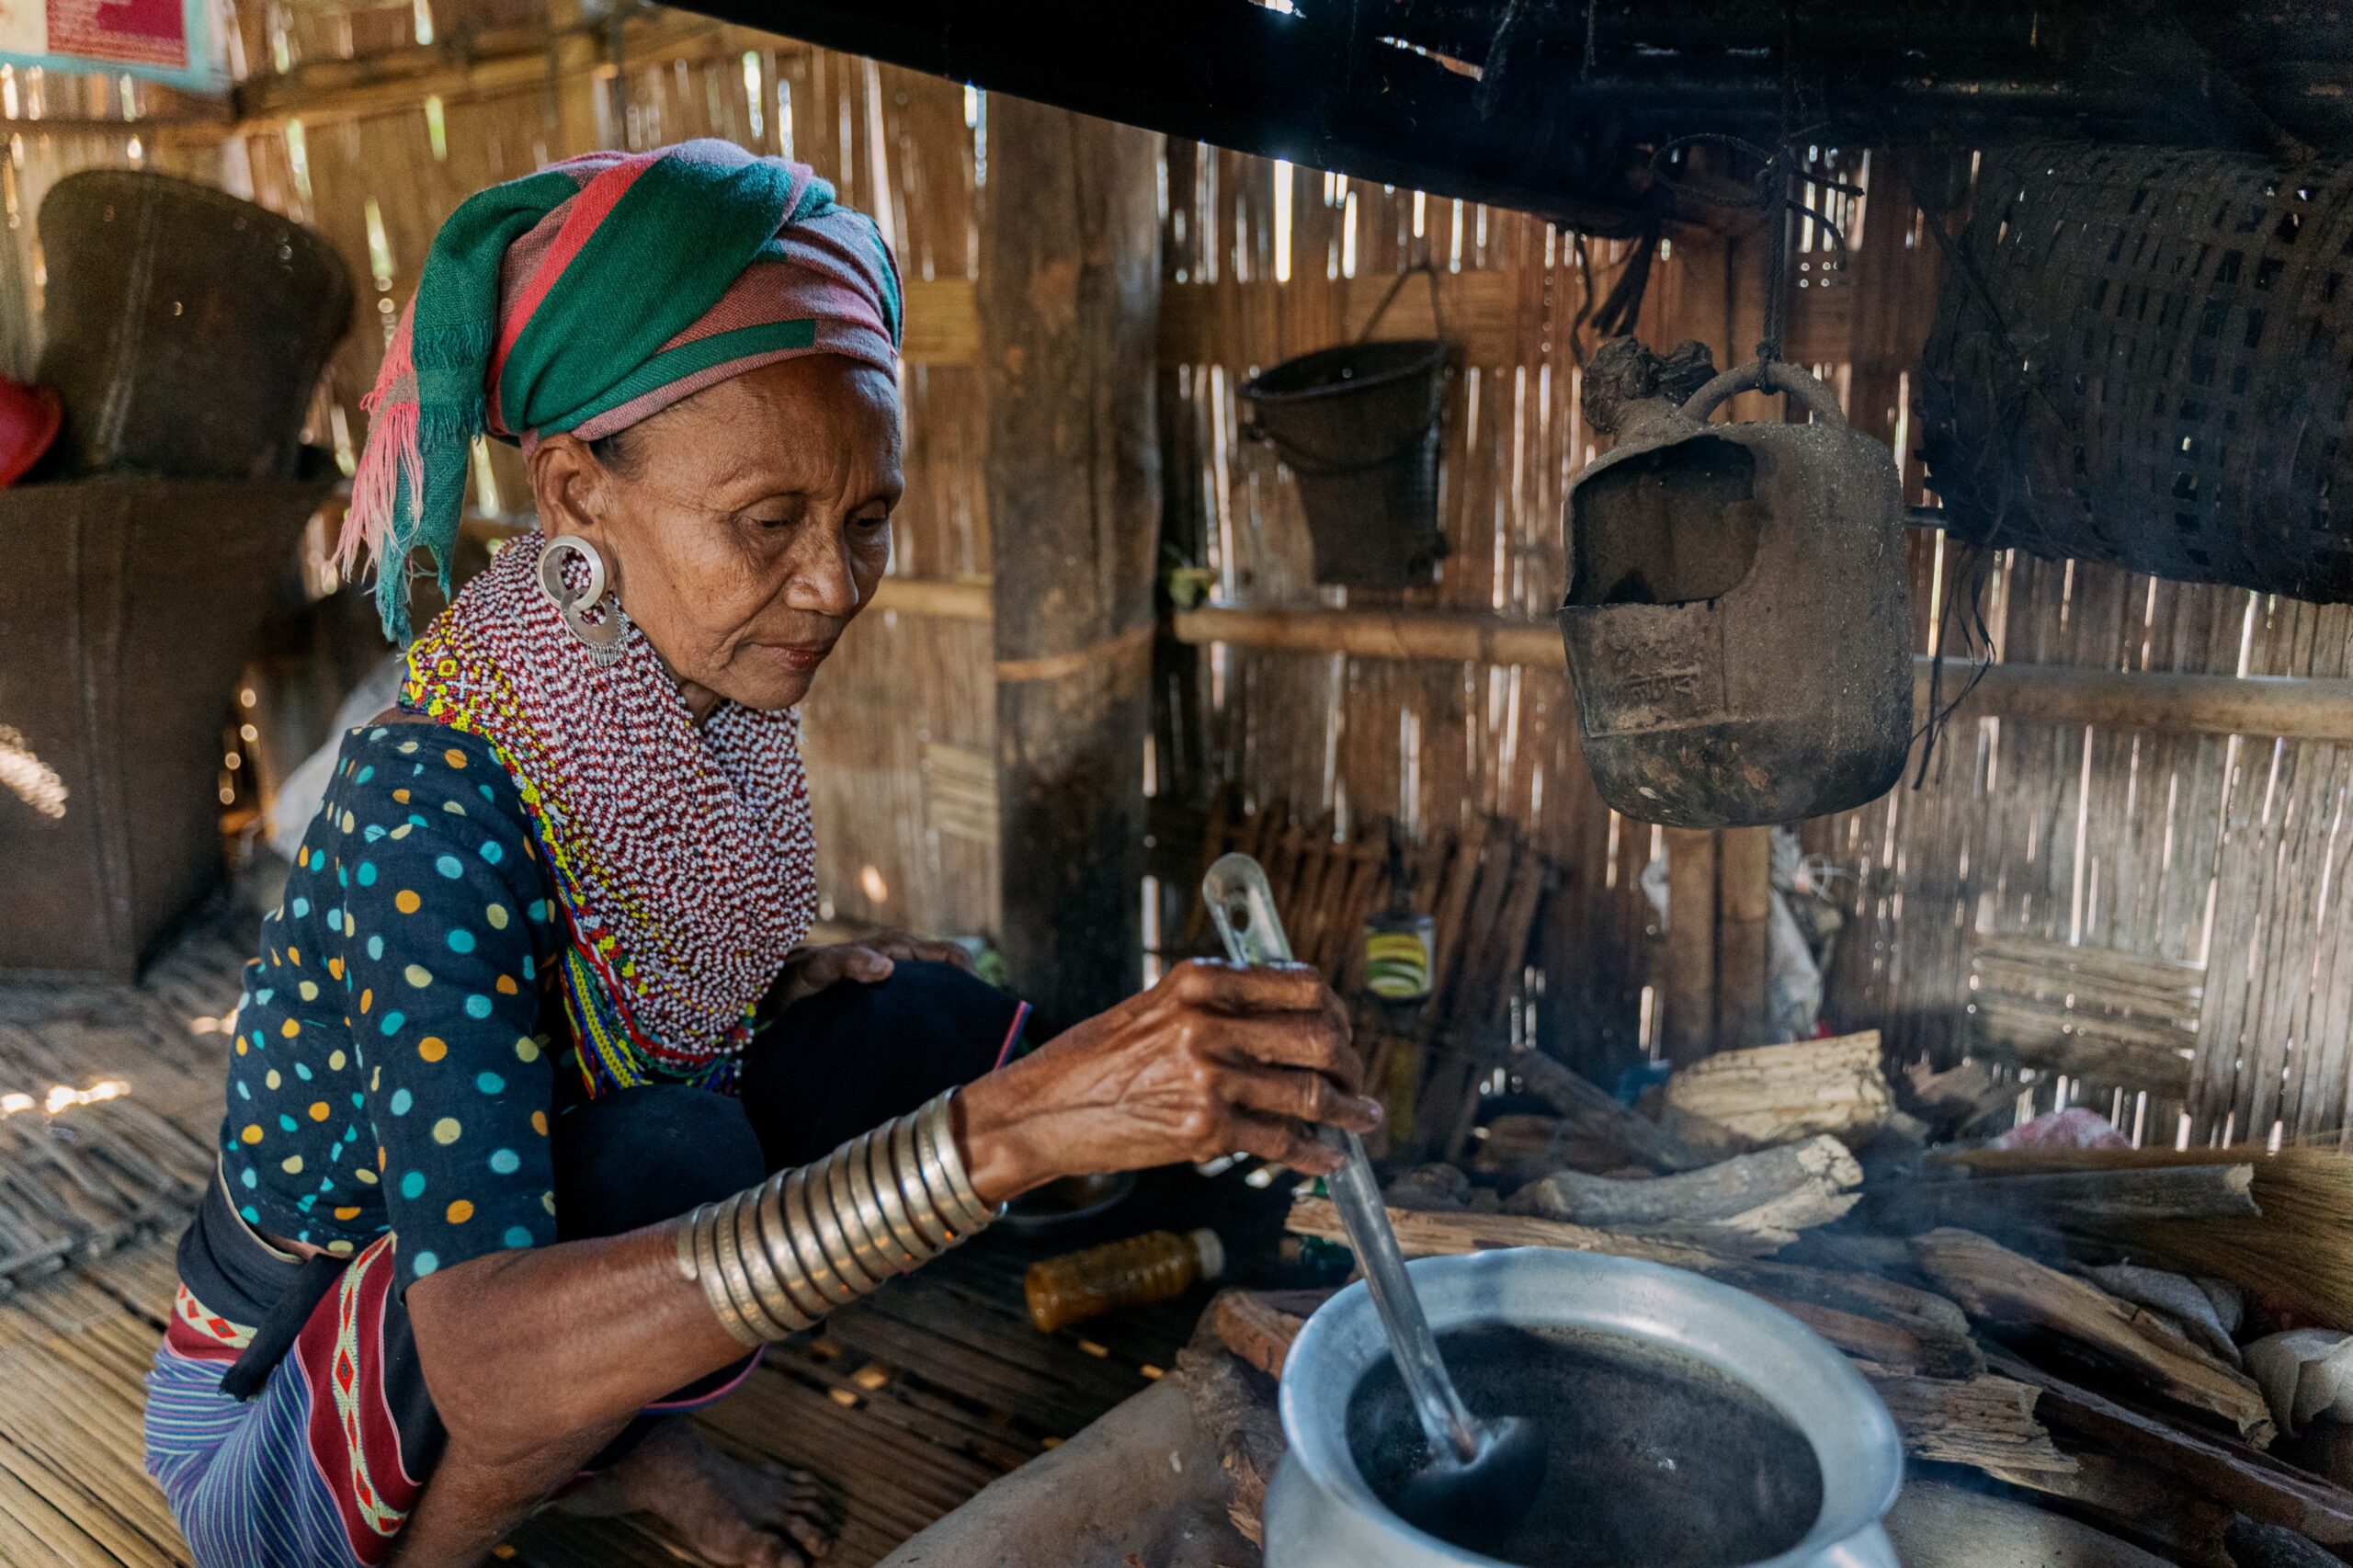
pixel 682 853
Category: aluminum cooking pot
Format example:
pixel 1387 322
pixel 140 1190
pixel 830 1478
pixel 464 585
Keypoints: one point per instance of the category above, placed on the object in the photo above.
pixel 1321 1514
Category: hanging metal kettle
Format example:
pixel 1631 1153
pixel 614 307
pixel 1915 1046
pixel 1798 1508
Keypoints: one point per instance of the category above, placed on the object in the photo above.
pixel 1735 618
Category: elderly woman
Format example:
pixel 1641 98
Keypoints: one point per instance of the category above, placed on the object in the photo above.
pixel 540 1120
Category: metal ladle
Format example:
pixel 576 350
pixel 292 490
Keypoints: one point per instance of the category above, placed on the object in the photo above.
pixel 1480 1478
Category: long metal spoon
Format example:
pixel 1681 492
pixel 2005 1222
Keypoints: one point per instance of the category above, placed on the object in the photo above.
pixel 1481 1477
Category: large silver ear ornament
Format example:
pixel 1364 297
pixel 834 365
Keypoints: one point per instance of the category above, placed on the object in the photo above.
pixel 602 638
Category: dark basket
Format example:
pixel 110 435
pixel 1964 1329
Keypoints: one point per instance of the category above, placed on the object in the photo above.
pixel 2141 356
pixel 1358 429
pixel 185 329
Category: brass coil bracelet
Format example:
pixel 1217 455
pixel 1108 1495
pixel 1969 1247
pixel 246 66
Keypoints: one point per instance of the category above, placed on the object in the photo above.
pixel 775 1258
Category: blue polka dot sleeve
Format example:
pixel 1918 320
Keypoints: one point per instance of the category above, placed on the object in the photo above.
pixel 446 925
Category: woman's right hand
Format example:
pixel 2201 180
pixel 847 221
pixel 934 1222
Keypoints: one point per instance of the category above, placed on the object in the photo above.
pixel 1216 1058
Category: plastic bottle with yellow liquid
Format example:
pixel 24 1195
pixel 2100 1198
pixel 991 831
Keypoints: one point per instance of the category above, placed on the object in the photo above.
pixel 1150 1267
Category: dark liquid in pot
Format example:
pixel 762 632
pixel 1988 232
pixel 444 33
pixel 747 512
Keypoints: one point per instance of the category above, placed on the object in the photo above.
pixel 1653 1460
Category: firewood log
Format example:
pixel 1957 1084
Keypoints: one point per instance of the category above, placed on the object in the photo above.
pixel 1445 1235
pixel 2268 1546
pixel 1774 1193
pixel 1739 1100
pixel 1986 1422
pixel 2137 1503
pixel 2066 1201
pixel 1996 1286
pixel 2205 1464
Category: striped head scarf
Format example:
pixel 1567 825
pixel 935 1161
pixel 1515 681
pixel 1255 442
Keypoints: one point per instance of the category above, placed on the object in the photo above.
pixel 590 295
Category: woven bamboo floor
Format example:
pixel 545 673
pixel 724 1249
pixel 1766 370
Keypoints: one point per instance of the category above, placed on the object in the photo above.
pixel 910 1402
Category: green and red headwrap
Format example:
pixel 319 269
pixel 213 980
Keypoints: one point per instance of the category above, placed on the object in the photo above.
pixel 589 295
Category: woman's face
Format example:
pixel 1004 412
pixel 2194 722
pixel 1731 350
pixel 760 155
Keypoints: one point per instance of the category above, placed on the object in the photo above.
pixel 743 527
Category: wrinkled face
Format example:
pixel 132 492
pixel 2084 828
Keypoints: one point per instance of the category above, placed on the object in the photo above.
pixel 744 526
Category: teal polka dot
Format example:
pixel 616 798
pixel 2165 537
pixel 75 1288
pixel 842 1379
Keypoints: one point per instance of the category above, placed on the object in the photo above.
pixel 244 1093
pixel 365 774
pixel 376 946
pixel 426 1264
pixel 318 859
pixel 302 1070
pixel 505 1162
pixel 392 1024
pixel 477 1005
pixel 401 1100
pixel 516 1236
pixel 301 907
pixel 538 910
pixel 286 1124
pixel 413 1185
pixel 448 866
pixel 492 853
pixel 367 873
pixel 460 939
pixel 247 1176
pixel 490 1084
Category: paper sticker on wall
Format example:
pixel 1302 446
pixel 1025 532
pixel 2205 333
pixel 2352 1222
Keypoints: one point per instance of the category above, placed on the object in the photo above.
pixel 170 41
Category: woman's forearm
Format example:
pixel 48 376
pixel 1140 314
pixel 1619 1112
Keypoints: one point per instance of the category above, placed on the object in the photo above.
pixel 518 1347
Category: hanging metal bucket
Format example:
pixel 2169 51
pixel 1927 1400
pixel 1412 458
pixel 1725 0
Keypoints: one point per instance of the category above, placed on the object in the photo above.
pixel 1735 619
pixel 1358 429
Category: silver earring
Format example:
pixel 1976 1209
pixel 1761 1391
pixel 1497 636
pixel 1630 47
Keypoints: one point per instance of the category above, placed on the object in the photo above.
pixel 602 638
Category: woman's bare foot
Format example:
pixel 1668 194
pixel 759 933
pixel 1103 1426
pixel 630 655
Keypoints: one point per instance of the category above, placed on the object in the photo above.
pixel 735 1515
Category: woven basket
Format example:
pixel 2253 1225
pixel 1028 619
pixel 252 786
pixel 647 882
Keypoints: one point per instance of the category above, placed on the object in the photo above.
pixel 2140 355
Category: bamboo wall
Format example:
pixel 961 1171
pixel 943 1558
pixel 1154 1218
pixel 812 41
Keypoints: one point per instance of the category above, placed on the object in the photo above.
pixel 2227 853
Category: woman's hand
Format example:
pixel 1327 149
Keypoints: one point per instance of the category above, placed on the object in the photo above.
pixel 869 960
pixel 1214 1059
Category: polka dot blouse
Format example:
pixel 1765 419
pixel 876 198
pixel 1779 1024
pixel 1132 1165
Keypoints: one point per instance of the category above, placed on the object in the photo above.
pixel 391 1067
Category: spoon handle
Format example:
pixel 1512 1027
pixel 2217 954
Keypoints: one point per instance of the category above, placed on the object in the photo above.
pixel 1242 908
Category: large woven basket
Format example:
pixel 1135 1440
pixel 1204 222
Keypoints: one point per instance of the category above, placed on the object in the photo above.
pixel 2142 357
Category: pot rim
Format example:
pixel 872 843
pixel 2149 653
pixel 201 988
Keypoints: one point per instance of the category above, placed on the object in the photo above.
pixel 1465 1290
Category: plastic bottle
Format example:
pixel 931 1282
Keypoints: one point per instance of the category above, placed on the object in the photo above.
pixel 1150 1267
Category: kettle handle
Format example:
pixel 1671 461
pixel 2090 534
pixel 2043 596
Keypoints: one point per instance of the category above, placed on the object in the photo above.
pixel 1758 375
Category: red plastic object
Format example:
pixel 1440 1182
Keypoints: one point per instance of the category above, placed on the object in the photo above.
pixel 30 416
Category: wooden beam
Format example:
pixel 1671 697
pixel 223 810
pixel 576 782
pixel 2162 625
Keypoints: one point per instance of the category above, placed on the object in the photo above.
pixel 1688 1000
pixel 944 598
pixel 1068 303
pixel 2171 702
pixel 1744 914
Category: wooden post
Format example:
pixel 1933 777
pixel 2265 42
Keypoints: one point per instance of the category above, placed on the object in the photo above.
pixel 1689 994
pixel 1743 913
pixel 1069 300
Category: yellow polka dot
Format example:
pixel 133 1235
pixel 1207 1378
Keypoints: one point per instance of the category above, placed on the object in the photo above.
pixel 401 831
pixel 539 1123
pixel 310 990
pixel 292 1164
pixel 376 1079
pixel 460 1211
pixel 350 926
pixel 338 1246
pixel 445 1132
pixel 251 1134
pixel 319 1111
pixel 506 986
pixel 335 1059
pixel 241 1047
pixel 406 901
pixel 367 997
pixel 290 1028
pixel 454 809
pixel 402 795
pixel 380 1156
pixel 349 822
pixel 348 1211
pixel 419 976
pixel 294 957
pixel 271 1078
pixel 454 757
pixel 497 915
pixel 547 1202
pixel 334 969
pixel 366 1176
pixel 432 1048
pixel 527 1050
pixel 408 748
